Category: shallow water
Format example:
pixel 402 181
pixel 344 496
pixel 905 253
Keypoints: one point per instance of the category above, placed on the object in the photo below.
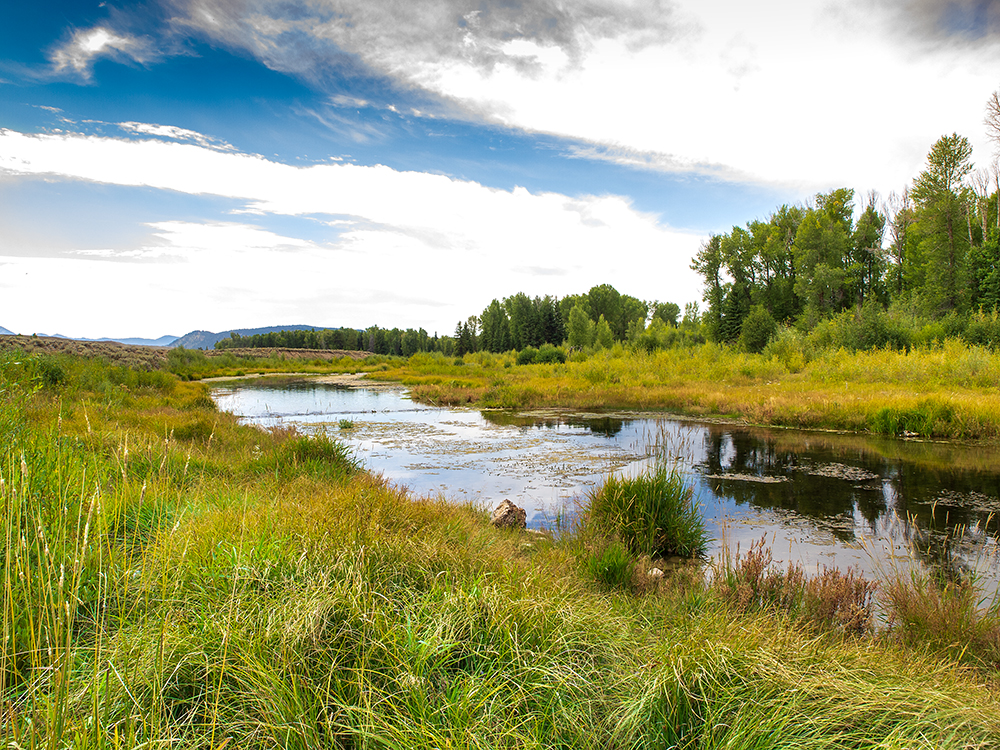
pixel 819 498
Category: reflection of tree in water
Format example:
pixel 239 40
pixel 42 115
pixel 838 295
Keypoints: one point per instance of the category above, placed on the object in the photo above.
pixel 830 485
pixel 606 426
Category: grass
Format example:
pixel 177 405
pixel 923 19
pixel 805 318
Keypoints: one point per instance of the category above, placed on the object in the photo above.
pixel 652 514
pixel 254 589
pixel 941 391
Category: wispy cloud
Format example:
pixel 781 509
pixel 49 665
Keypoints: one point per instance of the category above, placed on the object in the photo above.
pixel 939 23
pixel 390 34
pixel 86 45
pixel 177 134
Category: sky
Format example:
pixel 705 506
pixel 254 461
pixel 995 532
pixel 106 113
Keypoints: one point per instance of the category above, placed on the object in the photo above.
pixel 173 165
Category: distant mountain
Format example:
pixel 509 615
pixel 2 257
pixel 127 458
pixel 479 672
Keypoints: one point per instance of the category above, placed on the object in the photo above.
pixel 207 339
pixel 162 341
pixel 5 332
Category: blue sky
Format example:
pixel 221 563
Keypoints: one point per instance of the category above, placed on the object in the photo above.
pixel 181 164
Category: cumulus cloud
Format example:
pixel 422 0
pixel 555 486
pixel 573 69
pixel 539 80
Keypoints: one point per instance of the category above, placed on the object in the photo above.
pixel 404 235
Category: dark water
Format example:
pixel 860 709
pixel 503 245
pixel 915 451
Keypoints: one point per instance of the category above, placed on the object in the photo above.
pixel 819 499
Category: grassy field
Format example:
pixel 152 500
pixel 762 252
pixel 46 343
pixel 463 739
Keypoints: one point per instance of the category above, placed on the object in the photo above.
pixel 174 579
pixel 948 391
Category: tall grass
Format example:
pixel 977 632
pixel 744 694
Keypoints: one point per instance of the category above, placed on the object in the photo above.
pixel 652 514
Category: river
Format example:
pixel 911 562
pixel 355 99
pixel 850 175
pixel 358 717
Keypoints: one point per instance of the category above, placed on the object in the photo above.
pixel 821 499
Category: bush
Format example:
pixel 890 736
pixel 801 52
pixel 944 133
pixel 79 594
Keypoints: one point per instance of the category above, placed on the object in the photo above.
pixel 652 514
pixel 527 356
pixel 549 354
pixel 789 347
pixel 831 600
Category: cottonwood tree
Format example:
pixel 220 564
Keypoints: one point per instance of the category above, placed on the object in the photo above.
pixel 992 120
pixel 942 198
pixel 866 264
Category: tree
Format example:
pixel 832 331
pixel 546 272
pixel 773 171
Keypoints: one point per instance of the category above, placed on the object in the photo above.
pixel 603 336
pixel 708 262
pixel 632 310
pixel 992 120
pixel 822 247
pixel 668 312
pixel 900 209
pixel 941 197
pixel 494 329
pixel 866 262
pixel 580 328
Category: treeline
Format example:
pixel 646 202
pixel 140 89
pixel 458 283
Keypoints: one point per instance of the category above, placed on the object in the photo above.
pixel 916 265
pixel 394 341
pixel 598 318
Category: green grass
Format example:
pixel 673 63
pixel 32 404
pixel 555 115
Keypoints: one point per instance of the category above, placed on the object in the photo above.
pixel 254 589
pixel 652 514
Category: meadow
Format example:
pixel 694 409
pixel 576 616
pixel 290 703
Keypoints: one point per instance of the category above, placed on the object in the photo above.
pixel 172 578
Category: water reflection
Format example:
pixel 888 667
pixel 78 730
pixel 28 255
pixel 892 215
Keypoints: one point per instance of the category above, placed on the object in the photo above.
pixel 943 515
pixel 600 425
pixel 820 498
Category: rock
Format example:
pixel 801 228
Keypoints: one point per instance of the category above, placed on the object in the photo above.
pixel 655 573
pixel 508 516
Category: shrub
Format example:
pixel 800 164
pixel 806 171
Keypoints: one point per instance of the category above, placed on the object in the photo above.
pixel 789 347
pixel 751 582
pixel 652 514
pixel 527 356
pixel 549 354
pixel 832 599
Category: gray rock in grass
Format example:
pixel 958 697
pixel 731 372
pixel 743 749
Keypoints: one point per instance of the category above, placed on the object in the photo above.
pixel 508 516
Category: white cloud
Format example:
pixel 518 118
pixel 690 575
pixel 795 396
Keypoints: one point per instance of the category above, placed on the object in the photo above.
pixel 175 133
pixel 806 93
pixel 428 249
pixel 86 45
